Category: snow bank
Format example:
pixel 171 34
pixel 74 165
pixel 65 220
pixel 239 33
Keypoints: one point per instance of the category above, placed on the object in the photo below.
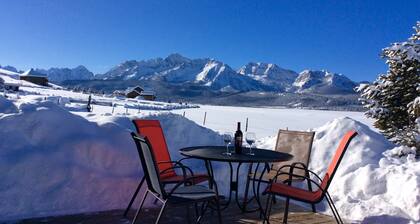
pixel 370 186
pixel 6 106
pixel 54 162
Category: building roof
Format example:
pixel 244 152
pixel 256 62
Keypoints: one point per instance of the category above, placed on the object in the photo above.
pixel 7 72
pixel 136 89
pixel 33 72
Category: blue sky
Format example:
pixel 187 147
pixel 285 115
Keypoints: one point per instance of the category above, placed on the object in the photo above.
pixel 341 36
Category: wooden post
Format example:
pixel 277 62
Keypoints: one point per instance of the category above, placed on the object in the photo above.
pixel 126 109
pixel 246 125
pixel 139 109
pixel 183 114
pixel 113 107
pixel 205 116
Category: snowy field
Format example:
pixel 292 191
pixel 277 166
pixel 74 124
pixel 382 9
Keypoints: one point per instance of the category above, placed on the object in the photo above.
pixel 56 158
pixel 265 121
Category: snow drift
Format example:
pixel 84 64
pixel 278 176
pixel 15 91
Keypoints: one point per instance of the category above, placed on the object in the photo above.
pixel 370 186
pixel 6 106
pixel 54 162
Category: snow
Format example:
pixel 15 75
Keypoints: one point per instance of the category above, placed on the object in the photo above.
pixel 266 121
pixel 56 158
pixel 15 81
pixel 55 162
pixel 33 72
pixel 6 106
pixel 9 73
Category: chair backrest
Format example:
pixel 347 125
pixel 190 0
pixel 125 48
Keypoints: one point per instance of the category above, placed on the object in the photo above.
pixel 149 164
pixel 338 156
pixel 296 143
pixel 154 133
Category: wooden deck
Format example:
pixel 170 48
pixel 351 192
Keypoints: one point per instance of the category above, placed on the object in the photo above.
pixel 178 216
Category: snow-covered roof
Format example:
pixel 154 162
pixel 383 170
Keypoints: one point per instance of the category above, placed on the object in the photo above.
pixel 7 72
pixel 136 89
pixel 33 72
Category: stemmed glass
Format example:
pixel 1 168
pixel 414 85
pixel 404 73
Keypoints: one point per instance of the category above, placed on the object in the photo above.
pixel 250 139
pixel 227 138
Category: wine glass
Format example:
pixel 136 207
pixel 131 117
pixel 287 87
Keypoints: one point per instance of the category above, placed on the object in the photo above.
pixel 250 139
pixel 227 138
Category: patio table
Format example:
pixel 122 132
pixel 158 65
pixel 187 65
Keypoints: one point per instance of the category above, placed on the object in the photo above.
pixel 215 153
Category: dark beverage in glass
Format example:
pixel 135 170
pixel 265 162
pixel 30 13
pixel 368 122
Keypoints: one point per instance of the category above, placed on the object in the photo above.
pixel 238 139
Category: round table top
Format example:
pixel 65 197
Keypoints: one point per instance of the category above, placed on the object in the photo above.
pixel 215 153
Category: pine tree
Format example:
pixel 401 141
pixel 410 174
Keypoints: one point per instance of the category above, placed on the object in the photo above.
pixel 393 98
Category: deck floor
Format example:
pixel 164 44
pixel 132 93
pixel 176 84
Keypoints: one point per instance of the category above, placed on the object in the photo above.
pixel 178 215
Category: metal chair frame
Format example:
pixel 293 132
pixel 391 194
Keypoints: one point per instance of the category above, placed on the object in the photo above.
pixel 271 168
pixel 324 190
pixel 165 182
pixel 167 197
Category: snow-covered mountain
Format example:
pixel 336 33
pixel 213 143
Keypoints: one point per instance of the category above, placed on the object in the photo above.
pixel 178 69
pixel 269 74
pixel 62 74
pixel 210 74
pixel 323 82
pixel 9 68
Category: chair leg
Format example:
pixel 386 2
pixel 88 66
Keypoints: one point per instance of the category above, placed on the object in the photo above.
pixel 133 197
pixel 310 189
pixel 156 200
pixel 141 206
pixel 267 205
pixel 203 210
pixel 197 214
pixel 266 208
pixel 188 214
pixel 313 208
pixel 219 214
pixel 270 206
pixel 333 208
pixel 286 210
pixel 160 213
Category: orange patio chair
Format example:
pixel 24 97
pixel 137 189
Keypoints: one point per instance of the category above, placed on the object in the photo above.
pixel 288 191
pixel 153 131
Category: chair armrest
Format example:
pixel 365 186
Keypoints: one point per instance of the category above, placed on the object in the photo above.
pixel 177 163
pixel 294 166
pixel 298 176
pixel 184 174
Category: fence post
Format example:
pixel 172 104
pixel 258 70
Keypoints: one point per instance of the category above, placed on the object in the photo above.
pixel 183 114
pixel 113 107
pixel 205 116
pixel 246 125
pixel 139 109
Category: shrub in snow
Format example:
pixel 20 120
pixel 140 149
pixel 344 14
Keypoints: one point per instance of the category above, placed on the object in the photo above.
pixel 393 99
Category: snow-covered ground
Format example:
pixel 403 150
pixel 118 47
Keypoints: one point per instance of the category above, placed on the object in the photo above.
pixel 265 121
pixel 56 158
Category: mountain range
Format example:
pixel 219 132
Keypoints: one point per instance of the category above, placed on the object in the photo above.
pixel 218 76
pixel 213 75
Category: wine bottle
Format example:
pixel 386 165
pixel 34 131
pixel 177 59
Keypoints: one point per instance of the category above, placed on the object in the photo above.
pixel 238 139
